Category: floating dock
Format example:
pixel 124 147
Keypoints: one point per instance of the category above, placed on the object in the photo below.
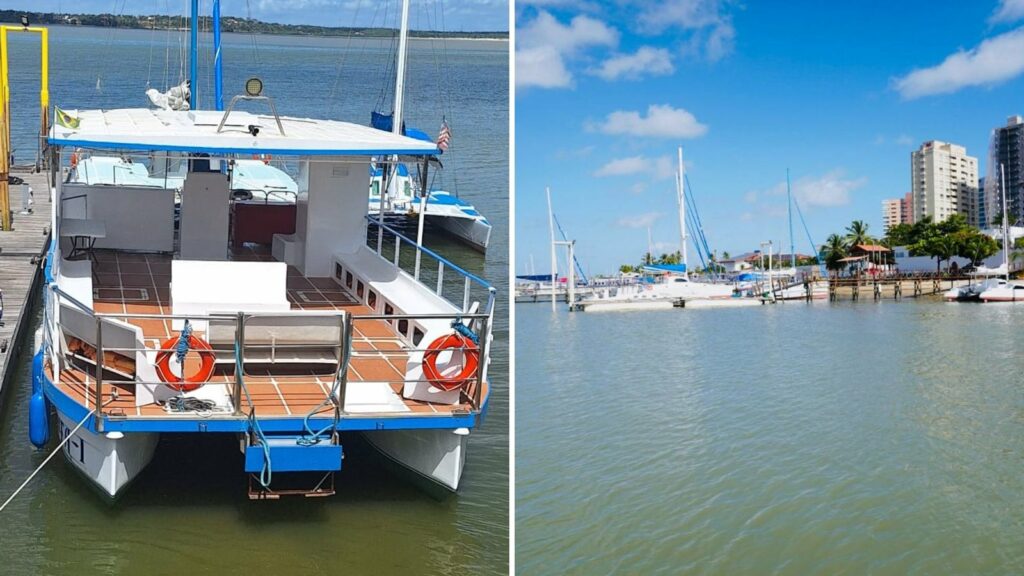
pixel 20 273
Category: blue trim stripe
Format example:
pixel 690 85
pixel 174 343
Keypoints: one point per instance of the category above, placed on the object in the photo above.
pixel 218 150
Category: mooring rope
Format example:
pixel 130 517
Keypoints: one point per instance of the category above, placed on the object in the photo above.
pixel 48 458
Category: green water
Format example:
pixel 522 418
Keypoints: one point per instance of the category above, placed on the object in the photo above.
pixel 188 513
pixel 869 438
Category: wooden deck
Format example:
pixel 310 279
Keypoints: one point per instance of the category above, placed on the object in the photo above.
pixel 139 284
pixel 19 276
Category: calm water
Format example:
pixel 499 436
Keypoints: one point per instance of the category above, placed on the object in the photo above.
pixel 188 512
pixel 792 439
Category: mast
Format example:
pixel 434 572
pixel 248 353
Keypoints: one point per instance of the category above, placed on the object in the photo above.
pixel 789 210
pixel 681 197
pixel 218 71
pixel 194 56
pixel 1006 226
pixel 403 43
pixel 554 262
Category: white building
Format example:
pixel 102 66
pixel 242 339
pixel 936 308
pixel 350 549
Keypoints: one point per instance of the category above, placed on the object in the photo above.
pixel 944 181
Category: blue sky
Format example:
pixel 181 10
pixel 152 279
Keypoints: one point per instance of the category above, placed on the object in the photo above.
pixel 469 15
pixel 838 92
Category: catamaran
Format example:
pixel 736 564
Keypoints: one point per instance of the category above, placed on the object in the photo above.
pixel 156 322
pixel 997 290
pixel 668 284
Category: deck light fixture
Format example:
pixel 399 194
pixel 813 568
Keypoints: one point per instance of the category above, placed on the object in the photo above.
pixel 254 86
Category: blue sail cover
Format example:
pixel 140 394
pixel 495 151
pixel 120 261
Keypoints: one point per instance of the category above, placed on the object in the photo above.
pixel 385 122
pixel 663 268
pixel 535 277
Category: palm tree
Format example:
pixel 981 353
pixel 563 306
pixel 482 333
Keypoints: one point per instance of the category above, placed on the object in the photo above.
pixel 834 250
pixel 857 233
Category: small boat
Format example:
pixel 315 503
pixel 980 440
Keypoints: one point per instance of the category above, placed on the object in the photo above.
pixel 972 292
pixel 442 209
pixel 667 290
pixel 1004 292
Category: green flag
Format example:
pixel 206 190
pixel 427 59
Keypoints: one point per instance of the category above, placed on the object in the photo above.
pixel 64 119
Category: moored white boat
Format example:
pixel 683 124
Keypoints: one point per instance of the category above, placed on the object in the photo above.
pixel 1004 292
pixel 320 334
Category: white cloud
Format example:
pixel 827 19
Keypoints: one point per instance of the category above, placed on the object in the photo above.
pixel 1008 11
pixel 639 220
pixel 995 60
pixel 660 168
pixel 707 18
pixel 624 166
pixel 646 61
pixel 829 190
pixel 542 67
pixel 638 187
pixel 544 43
pixel 662 121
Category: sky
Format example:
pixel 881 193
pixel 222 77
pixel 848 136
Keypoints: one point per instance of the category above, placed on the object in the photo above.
pixel 839 93
pixel 459 15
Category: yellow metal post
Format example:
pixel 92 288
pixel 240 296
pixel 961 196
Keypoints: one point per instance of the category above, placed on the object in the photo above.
pixel 5 136
pixel 5 111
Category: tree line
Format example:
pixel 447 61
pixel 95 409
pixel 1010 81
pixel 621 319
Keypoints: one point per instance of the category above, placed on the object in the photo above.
pixel 952 237
pixel 227 24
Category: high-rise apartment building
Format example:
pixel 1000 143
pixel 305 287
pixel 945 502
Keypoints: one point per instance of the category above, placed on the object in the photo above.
pixel 1007 150
pixel 892 213
pixel 944 181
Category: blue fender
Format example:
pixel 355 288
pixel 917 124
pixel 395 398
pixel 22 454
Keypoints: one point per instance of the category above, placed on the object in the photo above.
pixel 38 406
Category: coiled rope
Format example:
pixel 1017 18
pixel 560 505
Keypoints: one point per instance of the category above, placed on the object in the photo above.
pixel 464 330
pixel 48 458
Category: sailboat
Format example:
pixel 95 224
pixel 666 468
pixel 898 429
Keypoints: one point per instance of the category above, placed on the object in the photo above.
pixel 666 285
pixel 1001 289
pixel 795 289
pixel 396 194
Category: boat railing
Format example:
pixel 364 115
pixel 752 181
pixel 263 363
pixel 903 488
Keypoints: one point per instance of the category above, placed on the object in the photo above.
pixel 445 278
pixel 108 379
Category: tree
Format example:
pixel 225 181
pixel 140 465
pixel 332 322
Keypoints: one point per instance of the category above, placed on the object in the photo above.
pixel 725 255
pixel 939 246
pixel 975 246
pixel 899 235
pixel 834 250
pixel 857 233
pixel 626 269
pixel 954 224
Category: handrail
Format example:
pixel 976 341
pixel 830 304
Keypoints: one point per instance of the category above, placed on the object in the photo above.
pixel 429 252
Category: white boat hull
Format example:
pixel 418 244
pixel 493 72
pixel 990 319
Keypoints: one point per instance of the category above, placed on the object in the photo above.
pixel 612 305
pixel 475 233
pixel 109 463
pixel 437 455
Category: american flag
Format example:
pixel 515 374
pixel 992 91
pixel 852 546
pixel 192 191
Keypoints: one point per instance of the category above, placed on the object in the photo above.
pixel 444 136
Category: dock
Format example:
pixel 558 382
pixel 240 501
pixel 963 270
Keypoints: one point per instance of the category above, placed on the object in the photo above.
pixel 20 273
pixel 893 288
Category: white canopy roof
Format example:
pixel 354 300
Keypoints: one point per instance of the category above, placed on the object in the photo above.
pixel 196 131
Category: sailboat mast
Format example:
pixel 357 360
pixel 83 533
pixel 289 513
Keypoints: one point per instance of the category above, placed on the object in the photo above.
pixel 194 56
pixel 554 262
pixel 681 197
pixel 1006 222
pixel 403 44
pixel 789 210
pixel 218 70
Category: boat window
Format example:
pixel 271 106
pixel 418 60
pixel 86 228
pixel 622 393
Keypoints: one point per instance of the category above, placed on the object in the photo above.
pixel 337 271
pixel 371 299
pixel 403 326
pixel 375 188
pixel 681 280
pixel 348 279
pixel 417 336
pixel 360 288
pixel 388 309
pixel 408 189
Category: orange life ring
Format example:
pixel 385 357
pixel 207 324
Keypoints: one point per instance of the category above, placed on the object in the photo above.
pixel 192 382
pixel 453 341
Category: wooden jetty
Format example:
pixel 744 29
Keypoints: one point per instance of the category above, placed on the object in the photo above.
pixel 893 287
pixel 21 249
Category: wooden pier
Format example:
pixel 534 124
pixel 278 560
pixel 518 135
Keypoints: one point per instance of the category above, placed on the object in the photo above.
pixel 895 288
pixel 20 271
